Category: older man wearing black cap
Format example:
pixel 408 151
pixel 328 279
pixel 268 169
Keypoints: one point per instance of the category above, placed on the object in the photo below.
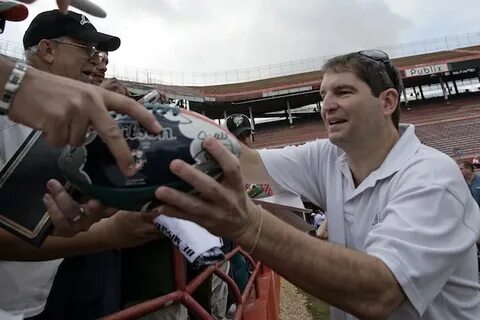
pixel 85 287
pixel 66 44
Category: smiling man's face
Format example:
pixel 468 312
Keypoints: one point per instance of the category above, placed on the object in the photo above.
pixel 352 114
pixel 100 69
pixel 74 62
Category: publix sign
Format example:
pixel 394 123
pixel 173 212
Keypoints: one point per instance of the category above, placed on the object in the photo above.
pixel 426 70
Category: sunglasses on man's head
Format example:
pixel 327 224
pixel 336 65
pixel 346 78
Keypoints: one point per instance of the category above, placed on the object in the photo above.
pixel 377 55
pixel 382 56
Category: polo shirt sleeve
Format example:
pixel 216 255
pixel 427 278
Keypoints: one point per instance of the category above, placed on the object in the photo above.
pixel 297 169
pixel 12 135
pixel 427 229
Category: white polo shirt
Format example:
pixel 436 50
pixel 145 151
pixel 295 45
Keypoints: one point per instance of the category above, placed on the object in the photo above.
pixel 415 213
pixel 24 286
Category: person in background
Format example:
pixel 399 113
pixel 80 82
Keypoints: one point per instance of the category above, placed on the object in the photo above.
pixel 472 179
pixel 239 125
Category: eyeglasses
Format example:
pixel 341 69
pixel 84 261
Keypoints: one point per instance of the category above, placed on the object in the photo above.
pixel 381 56
pixel 91 50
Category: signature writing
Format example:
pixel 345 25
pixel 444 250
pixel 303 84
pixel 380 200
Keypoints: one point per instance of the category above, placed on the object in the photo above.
pixel 202 135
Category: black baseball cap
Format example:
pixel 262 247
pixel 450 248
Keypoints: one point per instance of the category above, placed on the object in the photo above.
pixel 54 24
pixel 238 123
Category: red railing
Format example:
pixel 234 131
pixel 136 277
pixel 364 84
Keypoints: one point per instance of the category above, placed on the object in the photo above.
pixel 262 303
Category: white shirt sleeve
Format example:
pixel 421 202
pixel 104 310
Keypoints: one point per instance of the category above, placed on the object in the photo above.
pixel 7 316
pixel 426 231
pixel 297 169
pixel 12 135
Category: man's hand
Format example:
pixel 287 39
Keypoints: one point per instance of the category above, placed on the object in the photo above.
pixel 68 216
pixel 64 110
pixel 222 208
pixel 114 85
pixel 121 228
pixel 322 231
pixel 129 229
pixel 84 5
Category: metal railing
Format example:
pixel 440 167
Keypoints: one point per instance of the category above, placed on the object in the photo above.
pixel 184 290
pixel 150 76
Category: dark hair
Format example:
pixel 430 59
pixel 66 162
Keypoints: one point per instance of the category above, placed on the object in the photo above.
pixel 379 75
pixel 245 135
pixel 468 165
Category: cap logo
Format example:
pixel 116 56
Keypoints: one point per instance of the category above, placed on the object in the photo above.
pixel 84 20
pixel 238 120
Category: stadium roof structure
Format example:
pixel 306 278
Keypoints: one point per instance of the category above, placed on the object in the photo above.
pixel 297 90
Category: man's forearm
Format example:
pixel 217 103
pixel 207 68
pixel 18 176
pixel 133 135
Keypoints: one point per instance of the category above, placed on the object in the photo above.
pixel 252 165
pixel 93 240
pixel 351 280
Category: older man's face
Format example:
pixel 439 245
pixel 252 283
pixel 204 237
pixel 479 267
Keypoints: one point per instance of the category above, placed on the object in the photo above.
pixel 74 59
pixel 100 68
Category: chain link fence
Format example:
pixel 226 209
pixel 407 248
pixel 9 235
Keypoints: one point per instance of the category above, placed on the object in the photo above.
pixel 149 76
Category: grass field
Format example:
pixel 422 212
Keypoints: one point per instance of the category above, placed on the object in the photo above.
pixel 317 308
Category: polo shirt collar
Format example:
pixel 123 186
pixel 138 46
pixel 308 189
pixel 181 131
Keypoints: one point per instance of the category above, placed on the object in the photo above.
pixel 405 148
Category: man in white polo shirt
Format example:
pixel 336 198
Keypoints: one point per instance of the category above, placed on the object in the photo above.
pixel 402 225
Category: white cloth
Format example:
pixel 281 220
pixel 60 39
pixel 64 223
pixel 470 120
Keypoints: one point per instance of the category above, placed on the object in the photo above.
pixel 415 213
pixel 318 219
pixel 8 316
pixel 192 239
pixel 24 286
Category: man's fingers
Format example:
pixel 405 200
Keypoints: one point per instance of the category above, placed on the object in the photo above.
pixel 207 186
pixel 63 5
pixel 89 7
pixel 112 136
pixel 77 131
pixel 62 224
pixel 66 224
pixel 126 105
pixel 227 161
pixel 119 88
pixel 57 134
pixel 177 212
pixel 64 201
pixel 96 207
pixel 124 90
pixel 195 206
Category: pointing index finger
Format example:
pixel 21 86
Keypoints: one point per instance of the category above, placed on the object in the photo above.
pixel 121 104
pixel 111 134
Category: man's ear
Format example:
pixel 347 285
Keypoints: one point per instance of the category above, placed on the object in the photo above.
pixel 46 51
pixel 390 101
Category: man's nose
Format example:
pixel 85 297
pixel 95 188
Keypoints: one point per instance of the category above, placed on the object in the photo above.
pixel 99 65
pixel 329 103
